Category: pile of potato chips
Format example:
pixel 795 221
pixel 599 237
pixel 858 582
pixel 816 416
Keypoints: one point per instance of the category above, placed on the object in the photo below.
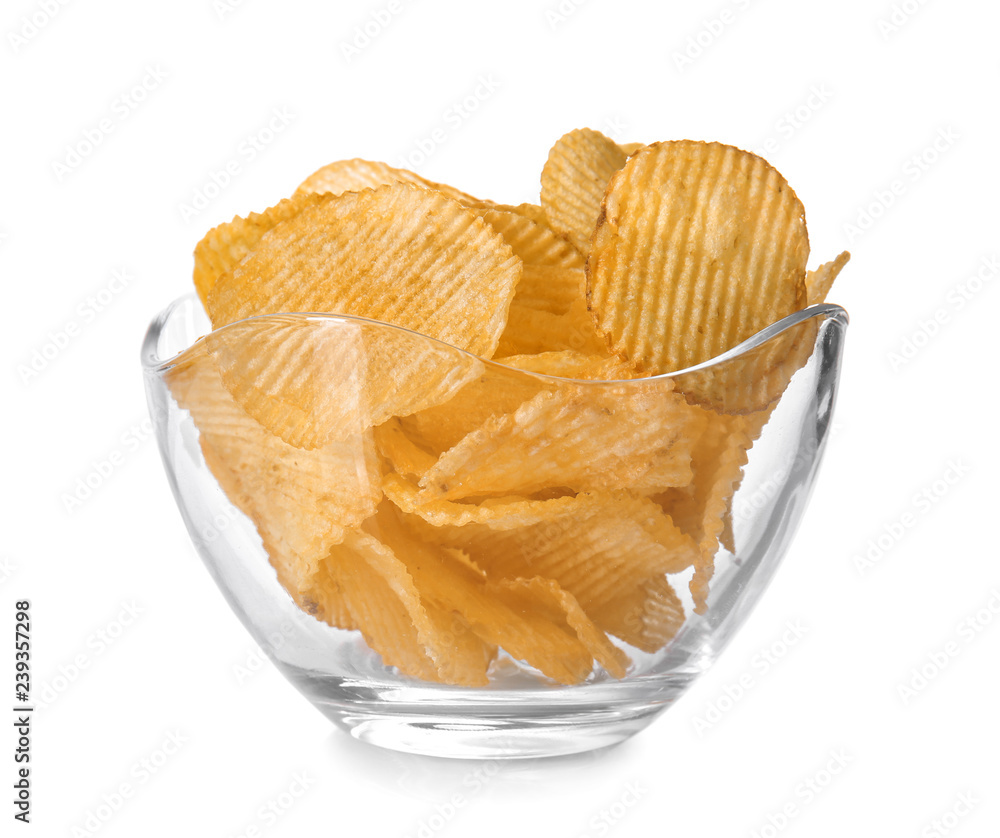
pixel 504 472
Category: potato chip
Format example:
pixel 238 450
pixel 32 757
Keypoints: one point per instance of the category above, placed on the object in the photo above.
pixel 355 175
pixel 300 501
pixel 819 281
pixel 530 331
pixel 699 247
pixel 315 380
pixel 583 437
pixel 495 513
pixel 399 254
pixel 495 392
pixel 574 179
pixel 403 455
pixel 699 509
pixel 597 545
pixel 531 239
pixel 546 596
pixel 365 576
pixel 532 620
pixel 226 245
pixel 647 617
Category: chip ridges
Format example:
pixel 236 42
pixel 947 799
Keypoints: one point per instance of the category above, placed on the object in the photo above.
pixel 684 265
pixel 574 179
pixel 398 253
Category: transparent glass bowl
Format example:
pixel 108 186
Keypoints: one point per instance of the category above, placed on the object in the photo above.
pixel 519 711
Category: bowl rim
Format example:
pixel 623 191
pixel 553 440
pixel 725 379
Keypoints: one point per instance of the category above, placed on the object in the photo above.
pixel 153 364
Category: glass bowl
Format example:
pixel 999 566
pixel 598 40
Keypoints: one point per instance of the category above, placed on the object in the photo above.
pixel 605 516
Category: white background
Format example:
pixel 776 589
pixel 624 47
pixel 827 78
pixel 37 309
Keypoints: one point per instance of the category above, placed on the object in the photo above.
pixel 869 96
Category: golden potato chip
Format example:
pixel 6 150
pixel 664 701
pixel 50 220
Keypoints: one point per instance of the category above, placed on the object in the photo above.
pixel 315 380
pixel 530 331
pixel 355 175
pixel 574 179
pixel 403 455
pixel 546 596
pixel 495 392
pixel 699 508
pixel 583 437
pixel 496 513
pixel 226 245
pixel 399 254
pixel 365 576
pixel 699 247
pixel 596 545
pixel 647 617
pixel 300 501
pixel 531 239
pixel 631 148
pixel 532 620
pixel 819 281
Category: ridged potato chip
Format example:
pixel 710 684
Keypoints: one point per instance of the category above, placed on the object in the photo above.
pixel 647 617
pixel 357 174
pixel 596 545
pixel 403 455
pixel 699 247
pixel 399 254
pixel 530 331
pixel 300 501
pixel 503 513
pixel 312 381
pixel 700 508
pixel 497 391
pixel 584 438
pixel 574 179
pixel 366 579
pixel 226 245
pixel 819 281
pixel 533 620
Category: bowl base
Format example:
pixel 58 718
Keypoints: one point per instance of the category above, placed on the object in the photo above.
pixel 516 735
